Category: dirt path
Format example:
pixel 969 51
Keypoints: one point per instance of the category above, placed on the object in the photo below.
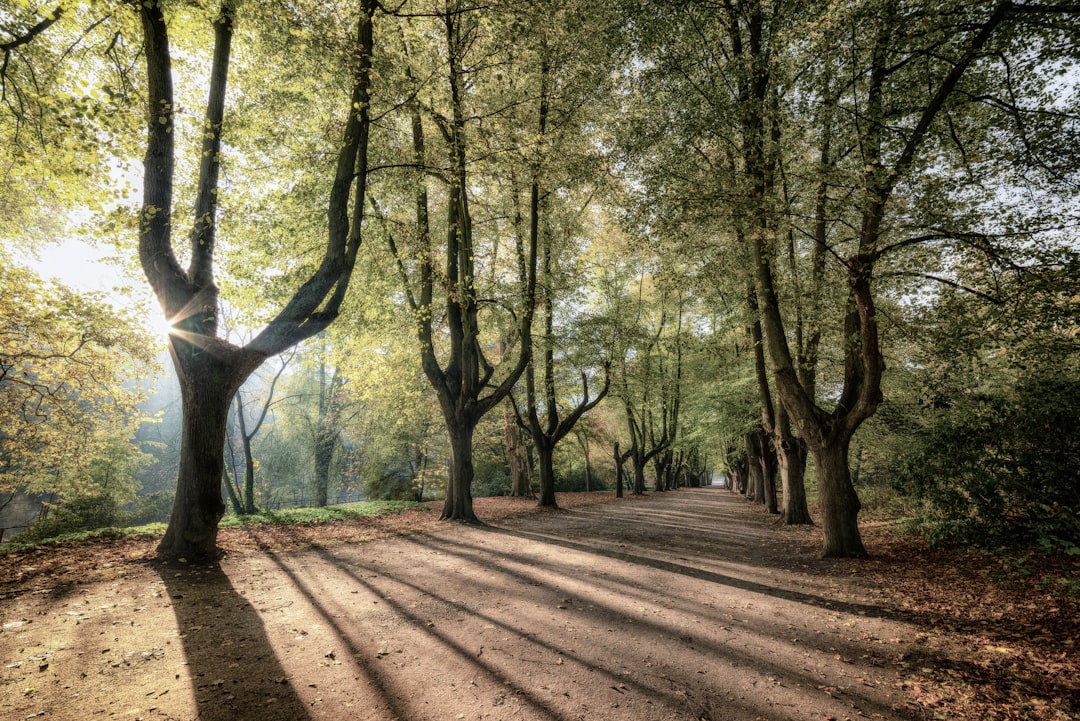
pixel 683 606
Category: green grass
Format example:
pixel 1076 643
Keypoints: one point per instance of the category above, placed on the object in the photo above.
pixel 148 530
pixel 290 516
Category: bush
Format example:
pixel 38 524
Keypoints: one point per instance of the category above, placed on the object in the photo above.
pixel 1001 469
pixel 573 480
pixel 82 513
pixel 151 508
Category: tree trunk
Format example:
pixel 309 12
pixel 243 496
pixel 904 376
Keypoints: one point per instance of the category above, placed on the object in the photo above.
pixel 545 453
pixel 639 475
pixel 584 440
pixel 620 459
pixel 458 505
pixel 756 479
pixel 249 478
pixel 517 454
pixel 791 455
pixel 769 465
pixel 324 455
pixel 839 502
pixel 207 386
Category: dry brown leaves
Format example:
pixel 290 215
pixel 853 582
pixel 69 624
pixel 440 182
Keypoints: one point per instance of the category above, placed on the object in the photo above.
pixel 1003 631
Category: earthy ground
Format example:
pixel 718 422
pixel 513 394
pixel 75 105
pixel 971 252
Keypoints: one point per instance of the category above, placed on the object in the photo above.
pixel 684 605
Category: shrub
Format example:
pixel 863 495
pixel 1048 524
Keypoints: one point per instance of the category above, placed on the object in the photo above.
pixel 1001 468
pixel 151 508
pixel 82 513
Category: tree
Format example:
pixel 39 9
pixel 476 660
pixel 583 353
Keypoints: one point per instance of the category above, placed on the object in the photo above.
pixel 243 498
pixel 463 382
pixel 988 443
pixel 70 366
pixel 209 367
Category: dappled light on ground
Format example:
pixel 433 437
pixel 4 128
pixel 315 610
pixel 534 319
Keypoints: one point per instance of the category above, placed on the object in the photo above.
pixel 684 606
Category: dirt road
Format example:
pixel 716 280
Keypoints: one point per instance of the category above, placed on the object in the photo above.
pixel 687 605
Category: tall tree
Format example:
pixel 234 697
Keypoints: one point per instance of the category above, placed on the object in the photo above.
pixel 70 372
pixel 209 367
pixel 465 380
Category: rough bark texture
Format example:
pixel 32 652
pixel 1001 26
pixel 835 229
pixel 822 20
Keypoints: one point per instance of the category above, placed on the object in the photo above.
pixel 791 456
pixel 839 503
pixel 458 505
pixel 545 462
pixel 207 385
pixel 517 455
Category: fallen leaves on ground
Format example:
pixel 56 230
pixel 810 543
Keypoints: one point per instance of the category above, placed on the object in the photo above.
pixel 996 635
pixel 1000 634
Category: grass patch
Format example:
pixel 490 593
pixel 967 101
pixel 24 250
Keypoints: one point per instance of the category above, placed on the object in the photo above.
pixel 285 517
pixel 329 514
pixel 149 530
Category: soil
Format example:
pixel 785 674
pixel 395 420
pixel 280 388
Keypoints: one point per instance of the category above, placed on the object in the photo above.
pixel 677 606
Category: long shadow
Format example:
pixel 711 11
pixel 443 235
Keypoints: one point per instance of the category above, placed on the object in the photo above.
pixel 357 654
pixel 233 668
pixel 700 574
pixel 675 697
pixel 659 631
pixel 465 656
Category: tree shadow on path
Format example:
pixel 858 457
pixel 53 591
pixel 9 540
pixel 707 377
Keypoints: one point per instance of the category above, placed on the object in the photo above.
pixel 234 671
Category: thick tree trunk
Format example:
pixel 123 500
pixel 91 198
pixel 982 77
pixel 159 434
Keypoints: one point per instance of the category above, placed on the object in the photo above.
pixel 545 453
pixel 839 502
pixel 207 386
pixel 768 473
pixel 791 455
pixel 755 490
pixel 639 475
pixel 458 505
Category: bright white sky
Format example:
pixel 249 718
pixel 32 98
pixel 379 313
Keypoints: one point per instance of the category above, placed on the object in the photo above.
pixel 80 266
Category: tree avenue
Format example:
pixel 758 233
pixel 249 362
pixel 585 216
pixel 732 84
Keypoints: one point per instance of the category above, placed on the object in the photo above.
pixel 729 214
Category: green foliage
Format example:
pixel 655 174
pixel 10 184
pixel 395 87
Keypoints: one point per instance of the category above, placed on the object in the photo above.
pixel 572 480
pixel 1000 468
pixel 492 477
pixel 99 517
pixel 67 404
pixel 83 513
pixel 365 509
pixel 151 508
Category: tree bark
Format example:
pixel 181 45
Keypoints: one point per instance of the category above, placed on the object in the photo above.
pixel 545 452
pixel 207 386
pixel 620 470
pixel 517 455
pixel 325 442
pixel 458 505
pixel 839 503
pixel 791 457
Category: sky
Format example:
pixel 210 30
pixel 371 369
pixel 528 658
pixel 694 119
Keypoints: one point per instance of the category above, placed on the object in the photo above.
pixel 81 266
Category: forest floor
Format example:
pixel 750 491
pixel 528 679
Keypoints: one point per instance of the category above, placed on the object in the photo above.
pixel 678 606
